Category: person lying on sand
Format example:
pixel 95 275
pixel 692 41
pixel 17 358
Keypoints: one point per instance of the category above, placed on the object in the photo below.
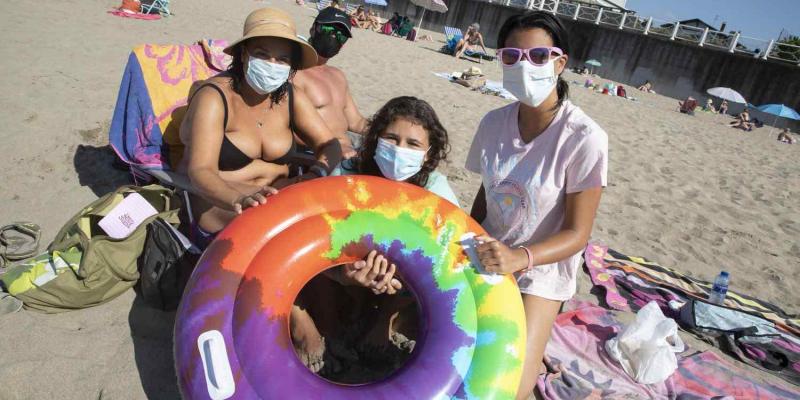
pixel 742 121
pixel 326 86
pixel 238 126
pixel 647 87
pixel 471 40
pixel 543 164
pixel 785 137
pixel 405 142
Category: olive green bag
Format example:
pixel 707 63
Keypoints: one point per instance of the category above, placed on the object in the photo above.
pixel 83 267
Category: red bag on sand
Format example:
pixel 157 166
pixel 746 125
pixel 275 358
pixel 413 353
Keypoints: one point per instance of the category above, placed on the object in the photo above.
pixel 134 6
pixel 412 36
pixel 387 29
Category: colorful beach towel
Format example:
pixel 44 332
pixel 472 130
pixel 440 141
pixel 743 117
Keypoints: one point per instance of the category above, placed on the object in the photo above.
pixel 604 265
pixel 134 15
pixel 579 367
pixel 754 331
pixel 152 99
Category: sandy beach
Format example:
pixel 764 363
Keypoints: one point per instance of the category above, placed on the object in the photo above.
pixel 686 191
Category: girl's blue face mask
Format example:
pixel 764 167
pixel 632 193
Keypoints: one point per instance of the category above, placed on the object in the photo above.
pixel 398 163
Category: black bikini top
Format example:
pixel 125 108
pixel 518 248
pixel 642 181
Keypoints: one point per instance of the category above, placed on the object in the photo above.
pixel 231 158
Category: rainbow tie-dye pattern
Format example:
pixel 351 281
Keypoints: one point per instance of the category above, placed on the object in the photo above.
pixel 473 340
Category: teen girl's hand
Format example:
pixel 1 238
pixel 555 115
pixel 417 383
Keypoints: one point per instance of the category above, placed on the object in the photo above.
pixel 375 273
pixel 254 199
pixel 498 258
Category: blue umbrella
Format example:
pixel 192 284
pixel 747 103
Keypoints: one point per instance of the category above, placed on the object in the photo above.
pixel 381 3
pixel 779 110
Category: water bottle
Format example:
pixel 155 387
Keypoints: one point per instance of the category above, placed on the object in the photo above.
pixel 720 288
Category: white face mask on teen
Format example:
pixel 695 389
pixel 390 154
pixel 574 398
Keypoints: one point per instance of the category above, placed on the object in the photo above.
pixel 265 77
pixel 398 163
pixel 529 83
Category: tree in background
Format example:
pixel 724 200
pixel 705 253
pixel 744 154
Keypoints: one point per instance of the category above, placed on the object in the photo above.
pixel 787 52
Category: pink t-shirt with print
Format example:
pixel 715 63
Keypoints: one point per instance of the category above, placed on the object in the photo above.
pixel 526 184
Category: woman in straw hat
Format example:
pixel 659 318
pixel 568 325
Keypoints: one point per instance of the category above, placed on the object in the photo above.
pixel 239 127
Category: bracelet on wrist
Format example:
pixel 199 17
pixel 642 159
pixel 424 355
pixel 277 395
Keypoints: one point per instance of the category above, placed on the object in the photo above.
pixel 530 258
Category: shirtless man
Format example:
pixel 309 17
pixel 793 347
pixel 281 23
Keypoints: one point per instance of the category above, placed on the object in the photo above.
pixel 326 86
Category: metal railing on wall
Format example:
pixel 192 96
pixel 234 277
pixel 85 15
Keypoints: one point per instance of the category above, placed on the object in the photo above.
pixel 733 42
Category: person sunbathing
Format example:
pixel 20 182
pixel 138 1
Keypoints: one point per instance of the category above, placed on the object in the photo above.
pixel 647 87
pixel 471 40
pixel 785 137
pixel 742 121
pixel 364 20
pixel 238 129
pixel 709 107
pixel 404 142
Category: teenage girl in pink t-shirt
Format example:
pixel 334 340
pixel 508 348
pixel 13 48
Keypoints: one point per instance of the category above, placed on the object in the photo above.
pixel 543 164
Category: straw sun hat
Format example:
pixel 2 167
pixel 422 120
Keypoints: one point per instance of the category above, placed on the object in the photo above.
pixel 270 22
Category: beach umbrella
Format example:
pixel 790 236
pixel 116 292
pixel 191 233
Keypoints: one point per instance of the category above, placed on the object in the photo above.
pixel 380 3
pixel 432 5
pixel 727 94
pixel 779 110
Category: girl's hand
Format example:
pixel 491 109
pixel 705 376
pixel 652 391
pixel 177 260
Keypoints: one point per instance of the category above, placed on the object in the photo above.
pixel 374 273
pixel 498 258
pixel 253 200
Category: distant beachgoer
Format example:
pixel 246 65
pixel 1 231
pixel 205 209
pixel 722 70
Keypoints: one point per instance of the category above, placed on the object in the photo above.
pixel 471 40
pixel 709 107
pixel 336 4
pixel 543 165
pixel 723 108
pixel 742 121
pixel 785 137
pixel 647 87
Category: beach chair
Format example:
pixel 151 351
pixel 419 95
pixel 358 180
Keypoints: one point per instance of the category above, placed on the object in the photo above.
pixel 160 6
pixel 323 4
pixel 151 103
pixel 350 8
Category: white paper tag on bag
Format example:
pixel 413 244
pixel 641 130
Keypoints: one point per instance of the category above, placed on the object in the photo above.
pixel 123 219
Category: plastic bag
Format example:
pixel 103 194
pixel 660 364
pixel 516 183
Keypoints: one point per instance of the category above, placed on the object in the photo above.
pixel 646 348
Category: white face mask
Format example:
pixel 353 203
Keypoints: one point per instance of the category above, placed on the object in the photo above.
pixel 265 77
pixel 398 163
pixel 529 83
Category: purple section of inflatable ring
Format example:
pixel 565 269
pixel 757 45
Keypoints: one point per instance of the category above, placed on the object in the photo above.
pixel 265 367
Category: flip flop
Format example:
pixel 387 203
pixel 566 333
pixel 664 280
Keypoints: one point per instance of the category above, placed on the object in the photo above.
pixel 19 241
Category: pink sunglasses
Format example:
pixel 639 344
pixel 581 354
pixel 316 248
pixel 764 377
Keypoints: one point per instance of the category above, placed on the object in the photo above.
pixel 536 55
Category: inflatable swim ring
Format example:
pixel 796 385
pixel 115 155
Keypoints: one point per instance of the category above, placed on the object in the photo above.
pixel 232 331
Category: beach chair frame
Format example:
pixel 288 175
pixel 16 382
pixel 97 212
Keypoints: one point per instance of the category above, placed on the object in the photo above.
pixel 162 6
pixel 323 4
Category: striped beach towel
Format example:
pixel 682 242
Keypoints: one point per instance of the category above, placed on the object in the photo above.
pixel 152 99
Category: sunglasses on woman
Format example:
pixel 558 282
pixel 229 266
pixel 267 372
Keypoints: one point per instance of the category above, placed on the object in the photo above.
pixel 330 30
pixel 536 55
